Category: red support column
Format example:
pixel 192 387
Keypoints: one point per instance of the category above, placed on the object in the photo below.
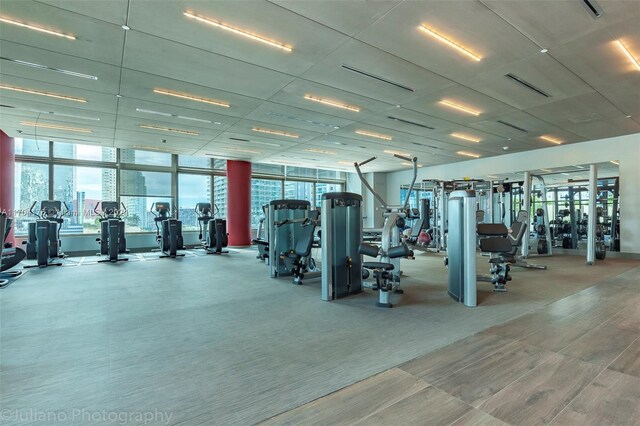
pixel 239 202
pixel 7 167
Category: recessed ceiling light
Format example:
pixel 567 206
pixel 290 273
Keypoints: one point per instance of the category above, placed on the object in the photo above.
pixel 374 135
pixel 35 28
pixel 628 54
pixel 546 170
pixel 628 116
pixel 80 117
pixel 320 151
pixel 397 106
pixel 565 174
pixel 152 148
pixel 551 139
pixel 346 163
pixel 191 97
pixel 617 163
pixel 465 137
pixel 403 154
pixel 118 96
pixel 45 67
pixel 493 177
pixel 405 163
pixel 332 103
pixel 276 132
pixel 217 122
pixel 448 42
pixel 126 27
pixel 37 92
pixel 232 148
pixel 459 107
pixel 544 50
pixel 168 129
pixel 238 31
pixel 55 126
pixel 166 114
pixel 468 154
pixel 335 143
pixel 505 148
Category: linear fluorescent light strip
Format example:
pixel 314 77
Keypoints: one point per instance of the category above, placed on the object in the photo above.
pixel 37 92
pixel 302 120
pixel 546 170
pixel 493 177
pixel 230 148
pixel 628 54
pixel 35 28
pixel 527 85
pixel 256 142
pixel 468 154
pixel 374 135
pixel 459 107
pixel 513 126
pixel 166 114
pixel 465 137
pixel 617 163
pixel 320 151
pixel 402 120
pixel 45 67
pixel 191 98
pixel 404 163
pixel 332 103
pixel 81 117
pixel 346 163
pixel 404 154
pixel 384 80
pixel 168 129
pixel 449 43
pixel 275 132
pixel 551 139
pixel 150 148
pixel 238 31
pixel 55 126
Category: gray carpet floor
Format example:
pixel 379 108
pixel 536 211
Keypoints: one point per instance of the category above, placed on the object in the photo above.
pixel 213 340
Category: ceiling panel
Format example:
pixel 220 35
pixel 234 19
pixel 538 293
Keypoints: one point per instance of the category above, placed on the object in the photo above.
pixel 114 11
pixel 360 57
pixel 310 41
pixel 169 59
pixel 294 95
pixel 469 24
pixel 349 17
pixel 590 107
pixel 95 40
pixel 298 118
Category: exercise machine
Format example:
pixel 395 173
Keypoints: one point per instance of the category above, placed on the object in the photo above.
pixel 341 217
pixel 112 234
pixel 282 239
pixel 262 236
pixel 168 230
pixel 9 256
pixel 212 232
pixel 394 219
pixel 43 242
pixel 298 260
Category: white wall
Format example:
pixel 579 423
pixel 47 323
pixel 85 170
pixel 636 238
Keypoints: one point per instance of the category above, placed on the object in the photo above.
pixel 626 149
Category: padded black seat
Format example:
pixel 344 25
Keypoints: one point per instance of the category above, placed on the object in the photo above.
pixel 378 265
pixel 495 245
pixel 492 230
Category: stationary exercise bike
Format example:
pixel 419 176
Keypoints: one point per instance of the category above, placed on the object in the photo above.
pixel 168 231
pixel 213 232
pixel 112 239
pixel 43 242
pixel 9 256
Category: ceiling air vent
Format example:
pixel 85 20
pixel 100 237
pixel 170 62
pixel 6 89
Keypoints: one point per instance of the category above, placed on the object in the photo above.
pixel 593 8
pixel 241 140
pixel 527 85
pixel 400 120
pixel 384 80
pixel 513 126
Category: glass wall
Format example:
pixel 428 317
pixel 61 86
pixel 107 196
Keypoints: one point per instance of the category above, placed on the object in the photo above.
pixel 192 189
pixel 83 175
pixel 31 185
pixel 80 189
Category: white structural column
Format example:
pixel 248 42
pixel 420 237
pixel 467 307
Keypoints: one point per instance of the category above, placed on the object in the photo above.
pixel 591 226
pixel 527 207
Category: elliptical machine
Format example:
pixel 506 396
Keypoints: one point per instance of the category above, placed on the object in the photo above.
pixel 9 256
pixel 213 232
pixel 112 239
pixel 43 243
pixel 169 238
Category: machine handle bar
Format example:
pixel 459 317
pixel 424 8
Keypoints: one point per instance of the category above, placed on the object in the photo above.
pixel 367 161
pixel 409 159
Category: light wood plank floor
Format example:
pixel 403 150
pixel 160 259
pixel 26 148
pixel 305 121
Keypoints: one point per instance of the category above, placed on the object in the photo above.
pixel 575 362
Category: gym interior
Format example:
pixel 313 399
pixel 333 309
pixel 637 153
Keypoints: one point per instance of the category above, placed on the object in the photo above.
pixel 320 212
